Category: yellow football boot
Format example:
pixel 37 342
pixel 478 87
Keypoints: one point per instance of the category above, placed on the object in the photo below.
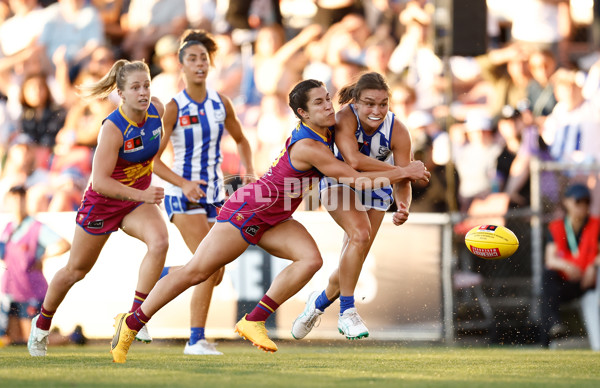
pixel 256 333
pixel 122 339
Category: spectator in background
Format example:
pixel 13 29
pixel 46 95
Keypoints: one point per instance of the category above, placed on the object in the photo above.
pixel 146 21
pixel 77 26
pixel 402 100
pixel 111 12
pixel 24 245
pixel 571 130
pixel 543 24
pixel 475 157
pixel 414 60
pixel 571 260
pixel 330 12
pixel 505 70
pixel 41 118
pixel 168 81
pixel 539 91
pixel 228 72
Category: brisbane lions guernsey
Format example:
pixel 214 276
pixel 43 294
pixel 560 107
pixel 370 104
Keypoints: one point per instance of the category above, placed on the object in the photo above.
pixel 196 142
pixel 278 193
pixel 140 144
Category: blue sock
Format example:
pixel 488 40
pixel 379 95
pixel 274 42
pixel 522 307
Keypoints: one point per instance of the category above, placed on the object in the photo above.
pixel 322 302
pixel 196 335
pixel 164 272
pixel 346 302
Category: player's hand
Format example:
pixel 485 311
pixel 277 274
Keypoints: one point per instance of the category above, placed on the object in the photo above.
pixel 417 171
pixel 192 190
pixel 153 194
pixel 401 215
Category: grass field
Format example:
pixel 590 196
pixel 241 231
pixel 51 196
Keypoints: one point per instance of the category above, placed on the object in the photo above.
pixel 339 364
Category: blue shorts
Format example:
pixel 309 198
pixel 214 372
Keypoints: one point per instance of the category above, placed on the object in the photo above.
pixel 378 199
pixel 251 226
pixel 181 205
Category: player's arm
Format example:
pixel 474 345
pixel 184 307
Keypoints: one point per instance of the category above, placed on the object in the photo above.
pixel 401 146
pixel 234 127
pixel 345 139
pixel 189 188
pixel 307 153
pixel 110 141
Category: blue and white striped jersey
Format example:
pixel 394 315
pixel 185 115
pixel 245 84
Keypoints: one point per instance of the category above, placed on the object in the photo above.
pixel 196 141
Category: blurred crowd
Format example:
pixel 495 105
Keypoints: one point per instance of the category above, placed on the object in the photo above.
pixel 476 121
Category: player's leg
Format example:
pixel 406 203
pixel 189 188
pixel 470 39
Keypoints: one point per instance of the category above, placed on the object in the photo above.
pixel 85 250
pixel 288 240
pixel 193 229
pixel 222 245
pixel 146 223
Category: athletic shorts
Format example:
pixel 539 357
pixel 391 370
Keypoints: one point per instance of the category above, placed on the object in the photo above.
pixel 249 224
pixel 181 205
pixel 378 199
pixel 101 215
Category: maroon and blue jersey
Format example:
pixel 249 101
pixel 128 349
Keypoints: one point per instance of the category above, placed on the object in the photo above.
pixel 278 193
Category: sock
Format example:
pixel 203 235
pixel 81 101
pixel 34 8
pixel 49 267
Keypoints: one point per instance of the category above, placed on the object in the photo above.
pixel 346 302
pixel 322 302
pixel 45 319
pixel 137 320
pixel 263 310
pixel 164 272
pixel 138 300
pixel 196 335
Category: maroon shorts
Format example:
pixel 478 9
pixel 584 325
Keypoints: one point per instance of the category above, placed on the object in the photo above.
pixel 101 215
pixel 249 224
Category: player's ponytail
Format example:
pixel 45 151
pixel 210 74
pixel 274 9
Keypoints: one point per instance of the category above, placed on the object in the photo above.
pixel 115 78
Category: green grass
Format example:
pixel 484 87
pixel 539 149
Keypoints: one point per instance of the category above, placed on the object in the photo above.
pixel 339 364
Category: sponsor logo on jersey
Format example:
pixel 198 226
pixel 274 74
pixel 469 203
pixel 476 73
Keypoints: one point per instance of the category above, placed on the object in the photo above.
pixel 155 133
pixel 98 224
pixel 134 144
pixel 252 230
pixel 485 252
pixel 188 120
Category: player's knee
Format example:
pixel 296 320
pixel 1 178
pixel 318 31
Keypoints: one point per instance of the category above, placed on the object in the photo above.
pixel 314 262
pixel 158 245
pixel 359 236
pixel 195 277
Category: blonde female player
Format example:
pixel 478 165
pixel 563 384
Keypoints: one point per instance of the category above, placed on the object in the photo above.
pixel 119 195
pixel 383 143
pixel 194 123
pixel 260 213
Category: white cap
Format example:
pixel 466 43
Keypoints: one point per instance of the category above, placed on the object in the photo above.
pixel 419 118
pixel 478 120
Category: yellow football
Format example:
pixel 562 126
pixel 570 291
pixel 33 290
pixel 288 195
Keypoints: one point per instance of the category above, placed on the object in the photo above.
pixel 491 242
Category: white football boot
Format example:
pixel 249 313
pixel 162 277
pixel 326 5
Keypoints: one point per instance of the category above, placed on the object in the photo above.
pixel 143 335
pixel 351 325
pixel 309 317
pixel 38 340
pixel 201 348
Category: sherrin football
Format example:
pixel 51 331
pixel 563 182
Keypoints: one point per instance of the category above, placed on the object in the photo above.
pixel 491 242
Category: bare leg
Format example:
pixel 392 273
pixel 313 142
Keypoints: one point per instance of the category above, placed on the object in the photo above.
pixel 290 240
pixel 146 223
pixel 84 253
pixel 222 245
pixel 193 228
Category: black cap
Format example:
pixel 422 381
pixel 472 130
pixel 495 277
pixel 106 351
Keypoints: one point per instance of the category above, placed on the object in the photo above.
pixel 578 191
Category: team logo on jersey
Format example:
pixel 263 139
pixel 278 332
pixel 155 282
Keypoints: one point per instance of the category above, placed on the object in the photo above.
pixel 239 217
pixel 220 115
pixel 383 152
pixel 134 144
pixel 188 120
pixel 252 230
pixel 202 112
pixel 98 224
